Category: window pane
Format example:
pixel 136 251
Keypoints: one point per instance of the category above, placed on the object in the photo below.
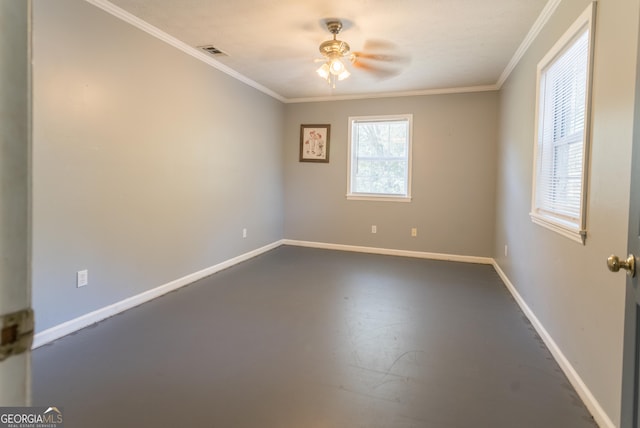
pixel 380 156
pixel 563 85
pixel 381 176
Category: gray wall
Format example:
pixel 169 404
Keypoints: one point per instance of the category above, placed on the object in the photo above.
pixel 454 162
pixel 566 284
pixel 147 162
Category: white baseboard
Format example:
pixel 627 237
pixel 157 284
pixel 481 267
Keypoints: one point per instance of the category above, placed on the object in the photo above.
pixel 598 413
pixel 390 252
pixel 600 416
pixel 86 320
pixel 68 327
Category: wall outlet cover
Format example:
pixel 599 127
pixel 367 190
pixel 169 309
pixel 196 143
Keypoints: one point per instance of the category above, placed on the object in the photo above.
pixel 82 278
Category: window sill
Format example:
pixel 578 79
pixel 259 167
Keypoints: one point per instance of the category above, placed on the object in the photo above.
pixel 379 198
pixel 563 228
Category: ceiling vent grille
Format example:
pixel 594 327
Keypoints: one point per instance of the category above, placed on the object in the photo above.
pixel 212 50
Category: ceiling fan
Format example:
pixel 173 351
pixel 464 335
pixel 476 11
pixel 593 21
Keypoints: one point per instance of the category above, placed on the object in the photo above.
pixel 378 57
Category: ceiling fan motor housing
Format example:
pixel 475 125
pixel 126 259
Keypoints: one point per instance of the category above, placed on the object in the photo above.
pixel 333 48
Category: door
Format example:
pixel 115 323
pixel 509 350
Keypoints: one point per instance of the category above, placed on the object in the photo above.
pixel 630 415
pixel 15 126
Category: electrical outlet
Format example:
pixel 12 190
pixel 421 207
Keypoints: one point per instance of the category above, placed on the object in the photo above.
pixel 414 231
pixel 244 232
pixel 82 278
pixel 374 228
pixel 506 250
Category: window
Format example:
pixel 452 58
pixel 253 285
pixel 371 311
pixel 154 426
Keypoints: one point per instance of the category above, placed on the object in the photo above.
pixel 380 158
pixel 562 132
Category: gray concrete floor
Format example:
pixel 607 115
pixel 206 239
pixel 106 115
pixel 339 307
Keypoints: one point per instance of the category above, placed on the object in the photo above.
pixel 310 338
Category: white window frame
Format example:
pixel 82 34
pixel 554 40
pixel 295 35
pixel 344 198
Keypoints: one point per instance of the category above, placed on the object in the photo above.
pixel 351 159
pixel 575 229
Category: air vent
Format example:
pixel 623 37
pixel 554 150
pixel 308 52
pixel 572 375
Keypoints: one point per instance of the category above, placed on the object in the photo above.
pixel 212 50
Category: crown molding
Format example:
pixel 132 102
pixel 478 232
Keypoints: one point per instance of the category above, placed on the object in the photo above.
pixel 190 50
pixel 537 26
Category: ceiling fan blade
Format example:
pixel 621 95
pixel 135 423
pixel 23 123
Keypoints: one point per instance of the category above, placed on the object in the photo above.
pixel 373 45
pixel 380 57
pixel 382 66
pixel 375 52
pixel 379 72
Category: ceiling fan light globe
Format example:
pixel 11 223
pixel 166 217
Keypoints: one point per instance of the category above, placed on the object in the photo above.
pixel 344 75
pixel 323 71
pixel 336 67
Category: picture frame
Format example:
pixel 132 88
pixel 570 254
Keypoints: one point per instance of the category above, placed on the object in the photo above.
pixel 314 143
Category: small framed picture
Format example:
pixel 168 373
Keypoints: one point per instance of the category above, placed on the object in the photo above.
pixel 314 143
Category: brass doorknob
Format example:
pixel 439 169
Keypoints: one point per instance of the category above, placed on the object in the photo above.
pixel 615 264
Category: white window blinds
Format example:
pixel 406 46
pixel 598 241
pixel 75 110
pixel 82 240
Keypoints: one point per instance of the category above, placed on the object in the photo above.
pixel 563 90
pixel 564 84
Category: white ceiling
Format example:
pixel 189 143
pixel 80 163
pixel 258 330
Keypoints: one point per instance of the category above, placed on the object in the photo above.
pixel 451 43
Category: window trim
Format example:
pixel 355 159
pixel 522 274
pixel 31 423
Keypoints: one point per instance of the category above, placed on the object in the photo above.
pixel 356 196
pixel 575 231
